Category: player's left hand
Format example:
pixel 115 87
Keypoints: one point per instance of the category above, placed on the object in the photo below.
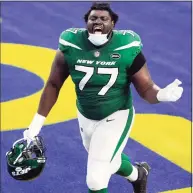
pixel 170 93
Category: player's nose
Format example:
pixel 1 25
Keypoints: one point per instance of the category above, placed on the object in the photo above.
pixel 98 21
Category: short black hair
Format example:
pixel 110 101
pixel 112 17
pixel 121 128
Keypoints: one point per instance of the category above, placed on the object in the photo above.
pixel 102 6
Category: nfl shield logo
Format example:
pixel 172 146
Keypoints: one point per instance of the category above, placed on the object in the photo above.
pixel 97 54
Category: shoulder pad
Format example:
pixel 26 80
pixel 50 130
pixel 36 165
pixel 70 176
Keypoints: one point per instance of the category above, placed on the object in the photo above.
pixel 68 34
pixel 129 35
pixel 69 38
pixel 129 39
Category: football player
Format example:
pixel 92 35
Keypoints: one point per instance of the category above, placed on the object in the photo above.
pixel 103 63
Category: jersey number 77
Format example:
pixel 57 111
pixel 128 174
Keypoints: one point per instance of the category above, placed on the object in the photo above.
pixel 89 72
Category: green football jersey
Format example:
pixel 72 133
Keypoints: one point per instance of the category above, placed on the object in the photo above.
pixel 100 73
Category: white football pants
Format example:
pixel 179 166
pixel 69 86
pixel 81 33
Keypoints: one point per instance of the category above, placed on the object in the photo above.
pixel 104 141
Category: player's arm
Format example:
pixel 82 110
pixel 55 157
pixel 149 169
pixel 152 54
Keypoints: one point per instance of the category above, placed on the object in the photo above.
pixel 58 74
pixel 142 81
pixel 147 89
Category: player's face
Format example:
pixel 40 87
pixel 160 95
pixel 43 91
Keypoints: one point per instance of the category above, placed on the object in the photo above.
pixel 99 22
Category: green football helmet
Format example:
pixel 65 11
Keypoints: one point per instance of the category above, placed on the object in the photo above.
pixel 26 161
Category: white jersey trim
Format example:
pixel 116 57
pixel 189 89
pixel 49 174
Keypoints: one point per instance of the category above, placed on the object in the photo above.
pixel 65 43
pixel 133 44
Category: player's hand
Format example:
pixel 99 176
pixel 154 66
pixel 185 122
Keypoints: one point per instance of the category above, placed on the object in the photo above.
pixel 170 93
pixel 29 136
pixel 34 128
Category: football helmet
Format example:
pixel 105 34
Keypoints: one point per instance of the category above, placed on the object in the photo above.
pixel 26 161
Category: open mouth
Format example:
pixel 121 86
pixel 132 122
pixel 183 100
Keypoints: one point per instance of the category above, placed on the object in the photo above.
pixel 97 29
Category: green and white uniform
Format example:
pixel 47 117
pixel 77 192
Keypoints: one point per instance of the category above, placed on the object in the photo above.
pixel 104 101
pixel 100 75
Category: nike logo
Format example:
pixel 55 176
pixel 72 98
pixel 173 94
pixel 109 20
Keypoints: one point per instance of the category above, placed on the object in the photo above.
pixel 108 120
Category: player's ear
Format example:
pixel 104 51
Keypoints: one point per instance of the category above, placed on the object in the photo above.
pixel 113 23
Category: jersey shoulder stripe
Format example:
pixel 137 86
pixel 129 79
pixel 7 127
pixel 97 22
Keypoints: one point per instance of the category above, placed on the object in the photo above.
pixel 132 44
pixel 66 43
pixel 69 39
pixel 128 39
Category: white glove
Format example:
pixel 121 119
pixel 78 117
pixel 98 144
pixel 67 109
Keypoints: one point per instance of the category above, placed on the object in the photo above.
pixel 170 93
pixel 28 136
pixel 34 128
